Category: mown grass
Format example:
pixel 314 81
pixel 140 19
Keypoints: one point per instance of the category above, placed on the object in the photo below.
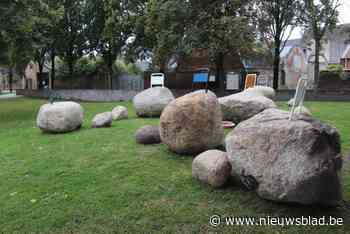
pixel 101 181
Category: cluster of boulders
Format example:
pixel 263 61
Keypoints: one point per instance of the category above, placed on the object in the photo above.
pixel 282 160
pixel 64 117
pixel 286 161
pixel 188 125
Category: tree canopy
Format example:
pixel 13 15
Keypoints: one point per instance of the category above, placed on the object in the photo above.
pixel 41 30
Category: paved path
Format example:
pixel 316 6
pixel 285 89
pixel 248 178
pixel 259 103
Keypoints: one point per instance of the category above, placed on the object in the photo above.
pixel 8 96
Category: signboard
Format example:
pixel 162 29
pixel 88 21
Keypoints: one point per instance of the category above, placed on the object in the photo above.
pixel 212 78
pixel 250 81
pixel 200 78
pixel 232 81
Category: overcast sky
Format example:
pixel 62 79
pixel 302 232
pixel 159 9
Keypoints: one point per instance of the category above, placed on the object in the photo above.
pixel 344 17
pixel 345 12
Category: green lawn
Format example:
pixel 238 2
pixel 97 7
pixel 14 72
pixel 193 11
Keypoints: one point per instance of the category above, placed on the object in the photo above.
pixel 101 181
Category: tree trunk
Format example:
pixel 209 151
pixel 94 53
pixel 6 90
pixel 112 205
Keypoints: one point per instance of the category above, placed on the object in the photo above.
pixel 220 73
pixel 10 79
pixel 41 68
pixel 71 72
pixel 276 64
pixel 53 72
pixel 110 71
pixel 317 65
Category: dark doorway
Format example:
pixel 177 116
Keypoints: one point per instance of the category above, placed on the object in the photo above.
pixel 43 80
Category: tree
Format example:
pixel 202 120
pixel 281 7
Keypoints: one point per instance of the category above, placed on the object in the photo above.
pixel 166 23
pixel 276 20
pixel 111 26
pixel 16 35
pixel 72 41
pixel 321 16
pixel 49 15
pixel 221 27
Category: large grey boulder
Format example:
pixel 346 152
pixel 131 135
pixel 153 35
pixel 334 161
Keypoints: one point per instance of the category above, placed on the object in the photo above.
pixel 212 167
pixel 244 105
pixel 102 120
pixel 152 101
pixel 191 124
pixel 265 91
pixel 60 117
pixel 287 161
pixel 119 113
pixel 148 135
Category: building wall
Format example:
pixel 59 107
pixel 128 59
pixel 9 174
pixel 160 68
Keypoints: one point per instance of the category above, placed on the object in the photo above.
pixel 81 95
pixel 31 76
pixel 182 77
pixel 299 61
pixel 294 66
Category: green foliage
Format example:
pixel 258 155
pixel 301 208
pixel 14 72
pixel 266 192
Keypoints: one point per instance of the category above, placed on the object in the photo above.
pixel 333 71
pixel 89 65
pixel 220 27
pixel 121 66
pixel 84 67
pixel 320 17
pixel 337 68
pixel 16 33
pixel 72 38
pixel 47 29
pixel 275 21
pixel 165 27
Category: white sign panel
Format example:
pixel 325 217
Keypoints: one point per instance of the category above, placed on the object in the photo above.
pixel 212 78
pixel 232 81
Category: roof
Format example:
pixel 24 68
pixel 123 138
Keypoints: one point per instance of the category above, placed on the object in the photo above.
pixel 294 42
pixel 346 54
pixel 289 45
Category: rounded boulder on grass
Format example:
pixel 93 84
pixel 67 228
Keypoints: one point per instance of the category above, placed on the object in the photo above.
pixel 119 113
pixel 103 120
pixel 148 135
pixel 60 117
pixel 212 167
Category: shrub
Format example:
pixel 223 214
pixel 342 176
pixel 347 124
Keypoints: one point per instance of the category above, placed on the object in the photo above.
pixel 337 68
pixel 121 66
pixel 88 66
pixel 333 71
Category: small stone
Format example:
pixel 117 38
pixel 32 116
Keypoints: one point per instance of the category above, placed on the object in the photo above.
pixel 148 135
pixel 212 167
pixel 119 113
pixel 102 120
